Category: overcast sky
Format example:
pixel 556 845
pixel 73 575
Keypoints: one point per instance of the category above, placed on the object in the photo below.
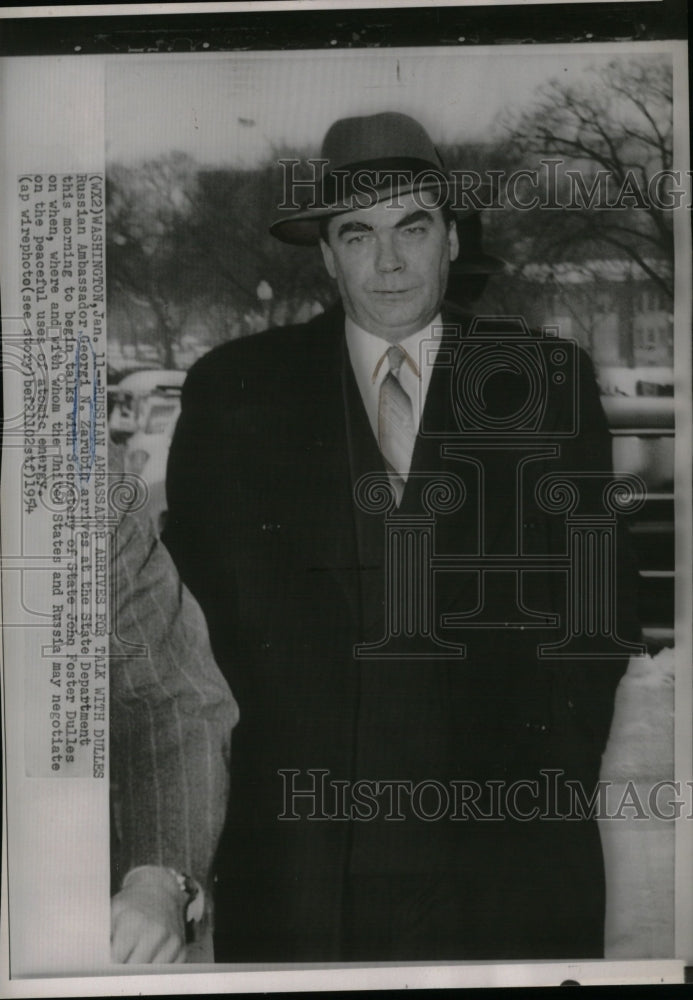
pixel 234 109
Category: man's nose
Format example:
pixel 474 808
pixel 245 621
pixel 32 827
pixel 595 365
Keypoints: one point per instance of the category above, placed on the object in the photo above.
pixel 387 256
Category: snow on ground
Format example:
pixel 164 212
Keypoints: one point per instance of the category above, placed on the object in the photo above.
pixel 639 853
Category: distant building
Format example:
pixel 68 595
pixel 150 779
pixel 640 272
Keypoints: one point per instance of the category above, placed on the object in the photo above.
pixel 611 307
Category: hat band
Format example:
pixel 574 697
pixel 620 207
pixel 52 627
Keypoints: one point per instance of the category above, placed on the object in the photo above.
pixel 363 184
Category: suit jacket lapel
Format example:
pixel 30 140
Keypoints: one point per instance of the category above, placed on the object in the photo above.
pixel 365 458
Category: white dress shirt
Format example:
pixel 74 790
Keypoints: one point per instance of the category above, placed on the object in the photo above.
pixel 367 353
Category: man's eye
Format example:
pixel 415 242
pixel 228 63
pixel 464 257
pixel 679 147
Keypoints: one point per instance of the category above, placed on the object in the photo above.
pixel 357 237
pixel 415 230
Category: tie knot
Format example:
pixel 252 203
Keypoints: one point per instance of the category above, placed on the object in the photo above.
pixel 395 357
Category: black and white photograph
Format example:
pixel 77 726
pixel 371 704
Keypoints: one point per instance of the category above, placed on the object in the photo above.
pixel 346 537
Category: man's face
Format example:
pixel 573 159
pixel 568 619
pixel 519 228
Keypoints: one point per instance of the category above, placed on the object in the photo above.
pixel 391 264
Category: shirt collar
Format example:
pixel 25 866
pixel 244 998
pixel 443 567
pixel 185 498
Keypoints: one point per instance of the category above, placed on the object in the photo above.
pixel 368 353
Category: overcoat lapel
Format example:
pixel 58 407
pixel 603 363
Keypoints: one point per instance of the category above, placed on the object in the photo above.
pixel 332 550
pixel 438 430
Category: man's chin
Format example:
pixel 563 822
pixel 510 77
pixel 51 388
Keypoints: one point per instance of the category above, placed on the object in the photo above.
pixel 396 324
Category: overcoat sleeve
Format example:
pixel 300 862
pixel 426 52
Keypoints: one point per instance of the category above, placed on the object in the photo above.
pixel 196 480
pixel 171 713
pixel 585 687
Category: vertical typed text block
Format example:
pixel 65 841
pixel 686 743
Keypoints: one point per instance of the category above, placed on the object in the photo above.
pixel 59 571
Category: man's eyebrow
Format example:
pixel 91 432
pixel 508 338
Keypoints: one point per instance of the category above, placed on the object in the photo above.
pixel 354 227
pixel 420 216
pixel 362 227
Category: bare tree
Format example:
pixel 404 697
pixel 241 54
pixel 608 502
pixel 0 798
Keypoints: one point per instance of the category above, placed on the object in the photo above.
pixel 147 207
pixel 612 136
pixel 190 247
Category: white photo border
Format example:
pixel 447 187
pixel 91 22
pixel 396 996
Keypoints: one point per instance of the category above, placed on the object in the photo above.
pixel 53 119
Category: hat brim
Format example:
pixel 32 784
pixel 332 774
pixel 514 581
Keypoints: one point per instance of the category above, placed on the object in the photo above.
pixel 303 228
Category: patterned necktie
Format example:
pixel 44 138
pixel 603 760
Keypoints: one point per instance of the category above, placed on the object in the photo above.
pixel 396 430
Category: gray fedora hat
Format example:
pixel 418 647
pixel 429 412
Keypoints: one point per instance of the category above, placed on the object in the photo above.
pixel 366 160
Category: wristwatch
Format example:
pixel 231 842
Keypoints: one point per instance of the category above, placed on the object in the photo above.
pixel 194 893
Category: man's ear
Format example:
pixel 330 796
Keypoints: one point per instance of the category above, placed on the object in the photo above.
pixel 453 240
pixel 328 258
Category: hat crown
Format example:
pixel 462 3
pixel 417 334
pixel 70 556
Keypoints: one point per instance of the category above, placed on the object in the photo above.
pixel 387 135
pixel 365 158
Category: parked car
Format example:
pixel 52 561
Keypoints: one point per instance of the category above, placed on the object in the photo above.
pixel 143 410
pixel 127 407
pixel 146 451
pixel 642 429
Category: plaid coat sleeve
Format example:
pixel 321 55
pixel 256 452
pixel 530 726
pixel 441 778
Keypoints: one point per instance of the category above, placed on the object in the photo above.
pixel 171 714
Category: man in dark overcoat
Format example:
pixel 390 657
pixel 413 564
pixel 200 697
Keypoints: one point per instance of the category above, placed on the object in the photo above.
pixel 399 522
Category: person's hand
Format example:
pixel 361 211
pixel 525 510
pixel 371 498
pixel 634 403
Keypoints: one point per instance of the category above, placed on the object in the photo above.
pixel 147 918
